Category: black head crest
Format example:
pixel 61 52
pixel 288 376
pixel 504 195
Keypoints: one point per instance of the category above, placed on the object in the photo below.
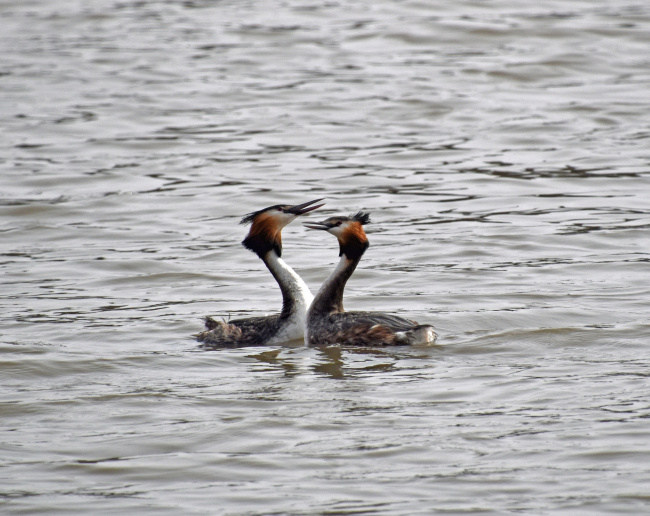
pixel 361 217
pixel 250 217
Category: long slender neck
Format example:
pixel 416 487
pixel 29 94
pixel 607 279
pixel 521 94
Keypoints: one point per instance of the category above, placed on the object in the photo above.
pixel 330 296
pixel 296 296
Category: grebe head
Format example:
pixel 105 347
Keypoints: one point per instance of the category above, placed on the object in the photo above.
pixel 267 224
pixel 353 241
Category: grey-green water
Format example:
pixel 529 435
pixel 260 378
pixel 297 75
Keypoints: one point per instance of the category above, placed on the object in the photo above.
pixel 503 150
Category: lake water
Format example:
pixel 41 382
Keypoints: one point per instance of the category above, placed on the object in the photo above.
pixel 503 150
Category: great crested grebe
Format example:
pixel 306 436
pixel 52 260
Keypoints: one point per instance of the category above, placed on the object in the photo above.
pixel 265 240
pixel 327 322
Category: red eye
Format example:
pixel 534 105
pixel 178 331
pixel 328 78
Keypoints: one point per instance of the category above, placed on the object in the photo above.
pixel 280 209
pixel 339 223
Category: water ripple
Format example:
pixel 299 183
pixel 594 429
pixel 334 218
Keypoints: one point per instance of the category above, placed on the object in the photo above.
pixel 502 152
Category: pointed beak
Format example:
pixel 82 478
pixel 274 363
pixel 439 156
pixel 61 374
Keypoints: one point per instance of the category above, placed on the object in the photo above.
pixel 301 209
pixel 317 225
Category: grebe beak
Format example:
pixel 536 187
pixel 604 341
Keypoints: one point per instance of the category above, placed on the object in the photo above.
pixel 301 209
pixel 317 225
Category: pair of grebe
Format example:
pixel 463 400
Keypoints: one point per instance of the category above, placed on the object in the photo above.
pixel 320 320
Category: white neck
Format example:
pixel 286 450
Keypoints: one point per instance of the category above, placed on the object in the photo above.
pixel 329 298
pixel 335 274
pixel 295 292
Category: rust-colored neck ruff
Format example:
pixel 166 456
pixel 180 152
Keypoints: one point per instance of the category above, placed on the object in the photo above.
pixel 353 242
pixel 265 234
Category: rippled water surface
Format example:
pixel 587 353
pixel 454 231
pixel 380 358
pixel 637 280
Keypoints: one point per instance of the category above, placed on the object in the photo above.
pixel 503 150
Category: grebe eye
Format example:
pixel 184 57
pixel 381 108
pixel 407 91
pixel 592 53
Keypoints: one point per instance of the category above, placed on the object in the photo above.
pixel 280 209
pixel 339 223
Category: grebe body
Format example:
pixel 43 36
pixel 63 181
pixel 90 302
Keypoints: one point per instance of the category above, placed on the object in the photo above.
pixel 265 240
pixel 328 323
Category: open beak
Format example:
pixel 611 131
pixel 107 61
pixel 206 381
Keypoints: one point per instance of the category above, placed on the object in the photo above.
pixel 301 209
pixel 317 225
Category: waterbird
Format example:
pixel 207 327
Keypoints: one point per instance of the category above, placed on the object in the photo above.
pixel 265 240
pixel 327 323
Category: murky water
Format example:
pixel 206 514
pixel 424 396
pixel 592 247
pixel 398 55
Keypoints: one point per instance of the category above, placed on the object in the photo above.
pixel 503 149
